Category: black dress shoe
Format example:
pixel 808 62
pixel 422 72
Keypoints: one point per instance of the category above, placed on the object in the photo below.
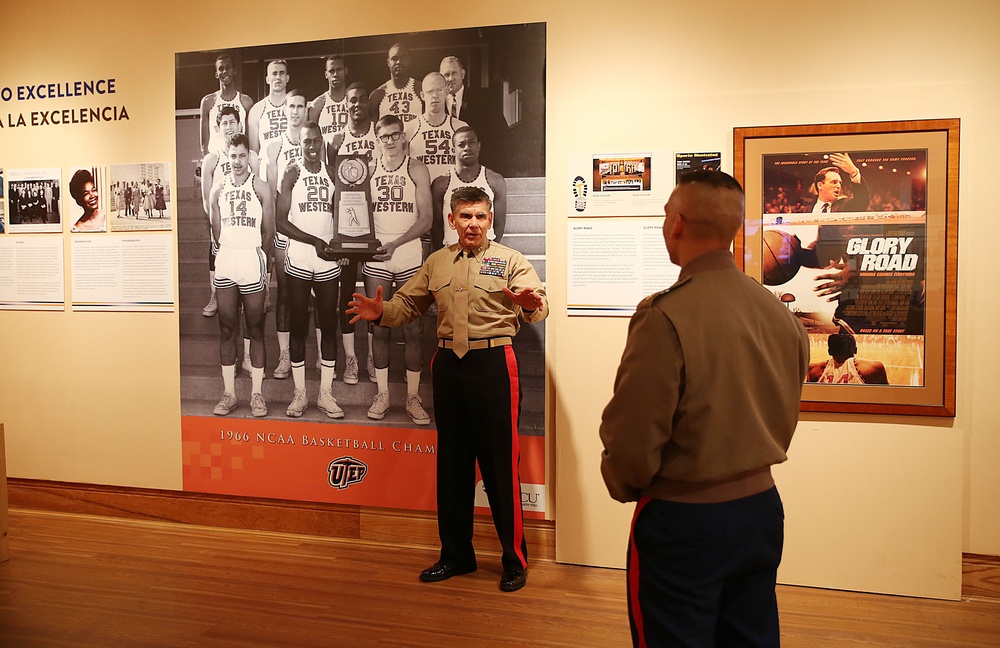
pixel 442 571
pixel 513 580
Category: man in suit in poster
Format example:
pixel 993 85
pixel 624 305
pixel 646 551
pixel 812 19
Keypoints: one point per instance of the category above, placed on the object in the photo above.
pixel 480 109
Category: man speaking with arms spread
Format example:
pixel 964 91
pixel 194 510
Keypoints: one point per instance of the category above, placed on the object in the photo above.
pixel 705 401
pixel 482 289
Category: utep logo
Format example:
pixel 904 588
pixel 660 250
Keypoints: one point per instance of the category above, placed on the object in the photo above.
pixel 346 471
pixel 580 193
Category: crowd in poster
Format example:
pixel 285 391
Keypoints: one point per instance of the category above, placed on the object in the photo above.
pixel 470 111
pixel 843 246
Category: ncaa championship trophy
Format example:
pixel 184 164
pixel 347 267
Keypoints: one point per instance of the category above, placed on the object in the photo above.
pixel 353 222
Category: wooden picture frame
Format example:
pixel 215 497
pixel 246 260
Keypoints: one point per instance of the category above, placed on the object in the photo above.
pixel 855 228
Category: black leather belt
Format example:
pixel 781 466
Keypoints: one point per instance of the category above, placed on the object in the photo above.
pixel 478 344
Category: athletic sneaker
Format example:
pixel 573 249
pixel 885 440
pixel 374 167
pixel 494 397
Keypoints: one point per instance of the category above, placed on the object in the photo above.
pixel 226 405
pixel 351 370
pixel 212 307
pixel 257 405
pixel 247 366
pixel 379 406
pixel 416 410
pixel 371 369
pixel 328 404
pixel 298 405
pixel 284 368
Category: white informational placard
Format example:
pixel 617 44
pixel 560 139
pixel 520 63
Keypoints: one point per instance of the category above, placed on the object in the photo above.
pixel 619 184
pixel 31 273
pixel 123 273
pixel 614 263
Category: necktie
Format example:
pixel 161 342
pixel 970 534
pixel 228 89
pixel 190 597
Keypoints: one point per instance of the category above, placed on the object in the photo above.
pixel 826 208
pixel 460 332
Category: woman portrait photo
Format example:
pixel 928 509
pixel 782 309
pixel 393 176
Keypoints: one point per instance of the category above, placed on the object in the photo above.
pixel 83 189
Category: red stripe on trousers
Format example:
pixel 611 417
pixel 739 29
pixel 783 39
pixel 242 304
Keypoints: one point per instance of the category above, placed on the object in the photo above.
pixel 633 574
pixel 515 451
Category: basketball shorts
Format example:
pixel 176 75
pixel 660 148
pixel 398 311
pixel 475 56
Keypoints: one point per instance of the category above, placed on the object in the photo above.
pixel 405 262
pixel 245 268
pixel 302 262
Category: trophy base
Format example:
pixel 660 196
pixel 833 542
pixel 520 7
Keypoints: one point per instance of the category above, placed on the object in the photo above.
pixel 354 250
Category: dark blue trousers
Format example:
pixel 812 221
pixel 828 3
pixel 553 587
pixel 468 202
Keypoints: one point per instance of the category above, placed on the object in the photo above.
pixel 477 402
pixel 703 575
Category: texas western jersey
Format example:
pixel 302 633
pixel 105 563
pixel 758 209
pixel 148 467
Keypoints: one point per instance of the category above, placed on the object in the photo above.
pixel 312 203
pixel 845 374
pixel 404 103
pixel 454 182
pixel 355 145
pixel 333 117
pixel 216 143
pixel 432 145
pixel 273 123
pixel 241 213
pixel 394 200
pixel 289 153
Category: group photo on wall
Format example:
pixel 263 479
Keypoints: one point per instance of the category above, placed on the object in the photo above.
pixel 306 402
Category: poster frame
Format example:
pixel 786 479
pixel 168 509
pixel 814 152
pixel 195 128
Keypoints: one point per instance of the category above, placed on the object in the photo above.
pixel 936 395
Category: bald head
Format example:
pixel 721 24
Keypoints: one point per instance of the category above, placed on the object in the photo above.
pixel 703 214
pixel 711 204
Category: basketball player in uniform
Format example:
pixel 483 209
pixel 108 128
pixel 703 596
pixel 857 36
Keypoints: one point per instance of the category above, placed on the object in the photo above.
pixel 215 165
pixel 358 138
pixel 430 136
pixel 401 206
pixel 282 152
pixel 266 121
pixel 242 213
pixel 329 109
pixel 305 216
pixel 843 368
pixel 466 172
pixel 212 141
pixel 400 95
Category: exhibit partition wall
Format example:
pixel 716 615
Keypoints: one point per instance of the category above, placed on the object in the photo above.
pixel 493 83
pixel 876 502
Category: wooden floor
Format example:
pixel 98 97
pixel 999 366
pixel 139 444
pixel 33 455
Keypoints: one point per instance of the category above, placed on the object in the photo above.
pixel 81 581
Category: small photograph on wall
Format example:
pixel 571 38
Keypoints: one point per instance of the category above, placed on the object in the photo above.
pixel 86 208
pixel 688 162
pixel 3 219
pixel 33 196
pixel 140 197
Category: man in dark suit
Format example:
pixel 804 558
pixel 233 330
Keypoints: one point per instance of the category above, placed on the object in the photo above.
pixel 480 109
pixel 828 185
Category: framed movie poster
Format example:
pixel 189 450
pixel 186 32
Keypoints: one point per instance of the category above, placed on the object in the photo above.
pixel 854 227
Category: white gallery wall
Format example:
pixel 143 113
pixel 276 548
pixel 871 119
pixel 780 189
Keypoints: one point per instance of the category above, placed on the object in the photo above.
pixel 873 502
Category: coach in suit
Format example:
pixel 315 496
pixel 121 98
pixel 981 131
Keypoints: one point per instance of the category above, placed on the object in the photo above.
pixel 482 110
pixel 828 185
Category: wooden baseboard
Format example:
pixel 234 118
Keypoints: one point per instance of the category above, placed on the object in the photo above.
pixel 980 576
pixel 358 523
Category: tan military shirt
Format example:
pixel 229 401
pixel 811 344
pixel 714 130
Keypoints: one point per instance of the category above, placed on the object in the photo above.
pixel 445 273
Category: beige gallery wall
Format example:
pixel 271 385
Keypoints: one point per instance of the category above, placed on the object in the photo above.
pixel 94 398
